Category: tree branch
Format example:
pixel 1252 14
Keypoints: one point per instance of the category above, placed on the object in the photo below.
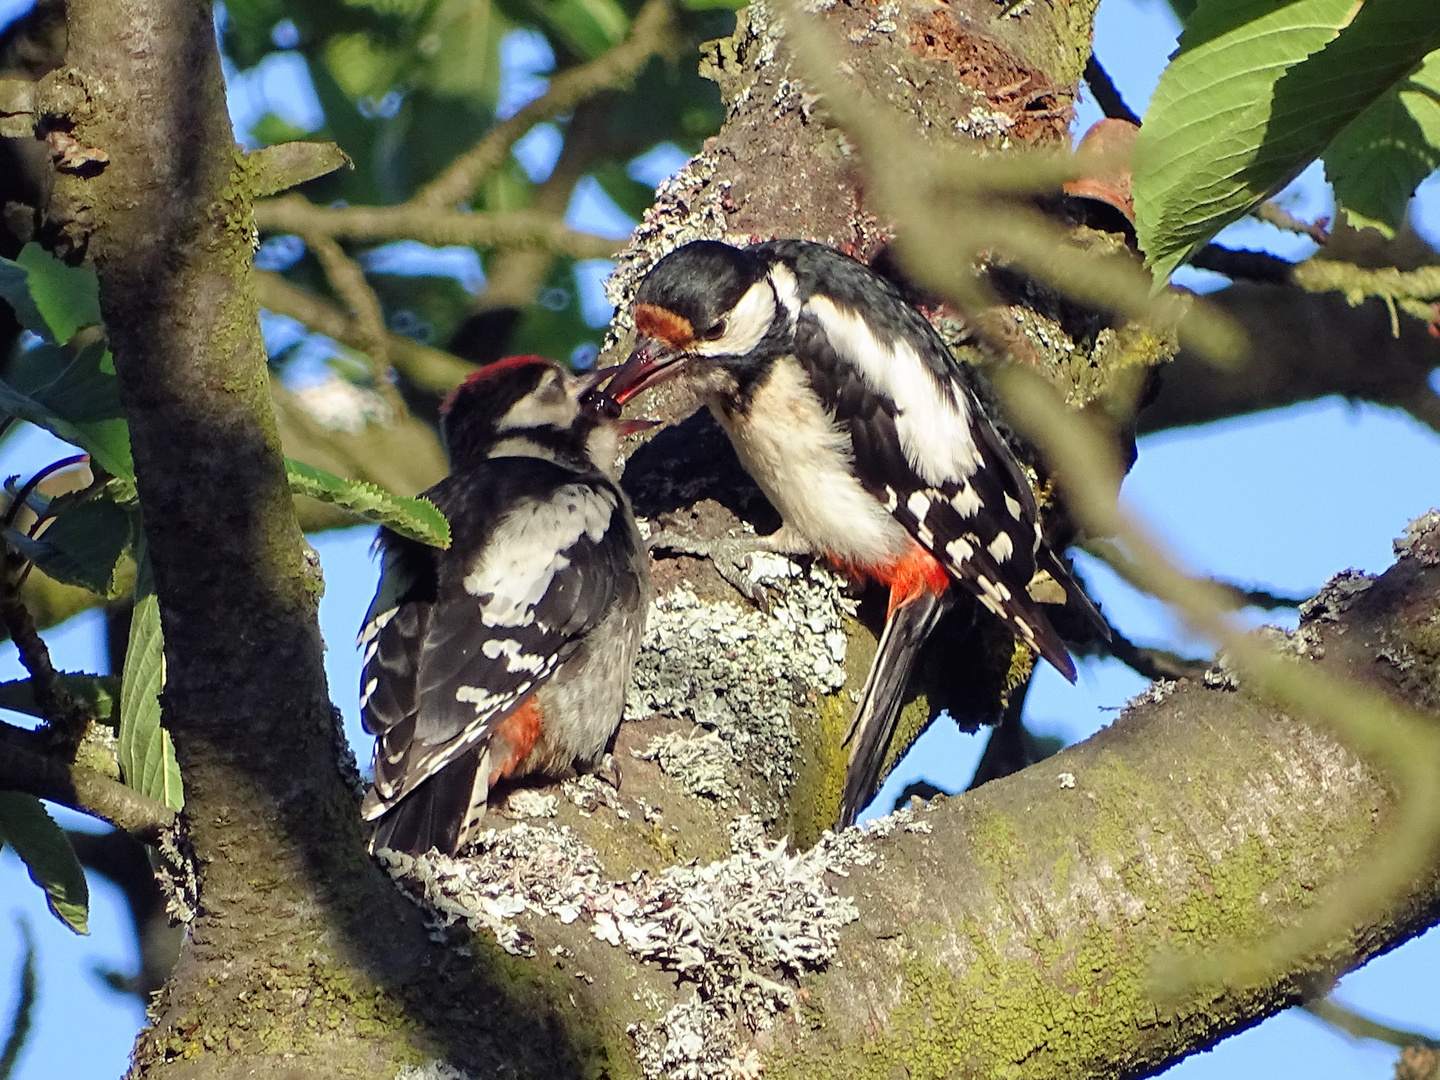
pixel 1106 95
pixel 429 368
pixel 651 33
pixel 1302 347
pixel 25 765
pixel 519 228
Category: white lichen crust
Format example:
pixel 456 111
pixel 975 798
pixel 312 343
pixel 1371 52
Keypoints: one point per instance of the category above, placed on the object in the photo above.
pixel 741 932
pixel 738 673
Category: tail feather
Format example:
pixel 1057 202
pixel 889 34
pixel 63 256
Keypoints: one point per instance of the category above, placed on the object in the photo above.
pixel 905 632
pixel 1075 594
pixel 441 813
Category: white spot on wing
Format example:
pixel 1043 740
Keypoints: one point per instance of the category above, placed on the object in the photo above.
pixel 483 700
pixel 371 630
pixel 368 692
pixel 515 658
pixel 527 549
pixel 959 550
pixel 1002 547
pixel 1012 506
pixel 966 501
pixel 918 504
pixel 934 415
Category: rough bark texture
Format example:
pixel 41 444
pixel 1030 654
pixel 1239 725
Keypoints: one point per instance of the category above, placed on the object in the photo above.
pixel 1011 930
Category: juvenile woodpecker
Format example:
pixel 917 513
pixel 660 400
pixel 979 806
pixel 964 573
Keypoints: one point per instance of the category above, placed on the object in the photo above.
pixel 508 654
pixel 851 414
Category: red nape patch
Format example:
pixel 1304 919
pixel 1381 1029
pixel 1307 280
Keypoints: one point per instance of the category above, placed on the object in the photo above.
pixel 495 370
pixel 918 572
pixel 656 322
pixel 515 738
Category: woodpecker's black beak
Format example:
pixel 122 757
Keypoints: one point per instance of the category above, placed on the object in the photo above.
pixel 651 361
pixel 603 407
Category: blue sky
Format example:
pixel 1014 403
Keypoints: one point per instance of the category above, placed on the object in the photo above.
pixel 1280 501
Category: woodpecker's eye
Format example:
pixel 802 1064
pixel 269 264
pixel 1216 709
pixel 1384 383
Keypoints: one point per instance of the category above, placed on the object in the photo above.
pixel 715 332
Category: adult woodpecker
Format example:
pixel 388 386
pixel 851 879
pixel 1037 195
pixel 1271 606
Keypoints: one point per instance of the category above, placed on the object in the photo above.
pixel 507 654
pixel 851 414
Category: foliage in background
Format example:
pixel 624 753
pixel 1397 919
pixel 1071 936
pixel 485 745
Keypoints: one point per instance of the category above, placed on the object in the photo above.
pixel 1256 91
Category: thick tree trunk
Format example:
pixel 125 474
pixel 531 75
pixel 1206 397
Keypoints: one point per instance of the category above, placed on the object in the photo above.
pixel 1015 928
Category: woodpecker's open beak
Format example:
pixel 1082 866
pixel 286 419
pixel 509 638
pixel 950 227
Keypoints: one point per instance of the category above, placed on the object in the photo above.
pixel 604 407
pixel 651 361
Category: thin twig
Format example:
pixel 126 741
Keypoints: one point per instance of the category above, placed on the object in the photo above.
pixel 1236 596
pixel 432 369
pixel 429 225
pixel 1154 663
pixel 26 764
pixel 1106 95
pixel 23 495
pixel 1362 1027
pixel 1272 212
pixel 68 719
pixel 25 1006
pixel 652 32
pixel 349 281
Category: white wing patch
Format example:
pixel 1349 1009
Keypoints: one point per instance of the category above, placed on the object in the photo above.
pixel 515 658
pixel 527 550
pixel 933 420
pixel 787 290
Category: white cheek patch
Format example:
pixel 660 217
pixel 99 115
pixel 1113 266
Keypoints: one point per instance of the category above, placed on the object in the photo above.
pixel 933 420
pixel 744 326
pixel 528 549
pixel 554 408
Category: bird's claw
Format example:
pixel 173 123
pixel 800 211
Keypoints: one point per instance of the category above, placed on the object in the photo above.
pixel 609 771
pixel 732 557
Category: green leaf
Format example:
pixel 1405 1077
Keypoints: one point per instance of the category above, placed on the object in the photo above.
pixel 146 754
pixel 81 546
pixel 418 518
pixel 1377 162
pixel 15 290
pixel 68 297
pixel 1256 91
pixel 590 27
pixel 48 856
pixel 98 692
pixel 81 404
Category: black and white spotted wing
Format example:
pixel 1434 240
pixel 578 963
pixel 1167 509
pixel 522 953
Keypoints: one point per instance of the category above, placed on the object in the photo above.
pixel 921 445
pixel 456 641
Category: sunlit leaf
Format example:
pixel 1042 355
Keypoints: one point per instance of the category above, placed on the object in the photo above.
pixel 47 855
pixel 144 749
pixel 1255 93
pixel 68 297
pixel 1377 162
pixel 417 518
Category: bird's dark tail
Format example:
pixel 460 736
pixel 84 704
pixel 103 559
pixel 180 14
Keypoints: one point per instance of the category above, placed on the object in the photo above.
pixel 438 813
pixel 905 632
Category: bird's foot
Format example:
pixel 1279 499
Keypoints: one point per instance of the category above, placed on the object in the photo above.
pixel 609 770
pixel 745 561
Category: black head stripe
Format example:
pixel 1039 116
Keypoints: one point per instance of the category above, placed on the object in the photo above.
pixel 701 281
